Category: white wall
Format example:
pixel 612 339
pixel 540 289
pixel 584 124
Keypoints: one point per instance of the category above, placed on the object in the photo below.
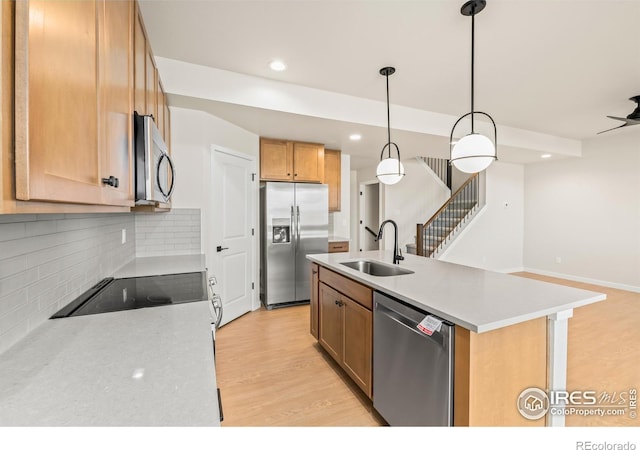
pixel 586 211
pixel 192 135
pixel 353 216
pixel 494 239
pixel 412 200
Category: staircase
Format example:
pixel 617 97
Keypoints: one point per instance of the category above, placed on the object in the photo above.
pixel 433 236
pixel 440 167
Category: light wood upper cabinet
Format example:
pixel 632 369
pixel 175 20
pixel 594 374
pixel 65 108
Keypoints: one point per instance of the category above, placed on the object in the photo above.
pixel 276 160
pixel 139 64
pixel 332 177
pixel 116 98
pixel 151 85
pixel 57 155
pixel 149 95
pixel 308 162
pixel 73 102
pixel 282 160
pixel 160 107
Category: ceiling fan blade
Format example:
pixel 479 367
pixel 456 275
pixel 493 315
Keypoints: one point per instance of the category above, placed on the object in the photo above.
pixel 614 128
pixel 624 119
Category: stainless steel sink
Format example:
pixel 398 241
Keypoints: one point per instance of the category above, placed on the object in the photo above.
pixel 376 269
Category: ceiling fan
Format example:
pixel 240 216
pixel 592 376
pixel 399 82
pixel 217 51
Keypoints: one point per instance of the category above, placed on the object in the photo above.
pixel 631 119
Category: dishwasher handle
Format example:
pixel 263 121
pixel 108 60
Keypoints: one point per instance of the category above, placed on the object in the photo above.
pixel 438 337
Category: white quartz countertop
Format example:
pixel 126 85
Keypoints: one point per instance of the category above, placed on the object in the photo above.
pixel 476 299
pixel 333 238
pixel 142 367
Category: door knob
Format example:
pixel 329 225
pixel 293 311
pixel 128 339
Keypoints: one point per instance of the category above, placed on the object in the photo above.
pixel 219 248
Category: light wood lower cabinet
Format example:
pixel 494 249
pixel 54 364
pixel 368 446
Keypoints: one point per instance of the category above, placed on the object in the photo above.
pixel 313 313
pixel 345 326
pixel 338 246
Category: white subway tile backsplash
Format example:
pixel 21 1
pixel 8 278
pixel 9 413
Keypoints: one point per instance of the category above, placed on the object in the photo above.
pixel 176 232
pixel 47 260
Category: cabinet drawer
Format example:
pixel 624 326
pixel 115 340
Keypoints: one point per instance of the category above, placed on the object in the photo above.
pixel 337 247
pixel 356 291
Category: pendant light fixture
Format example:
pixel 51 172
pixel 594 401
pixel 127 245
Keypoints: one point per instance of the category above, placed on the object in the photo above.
pixel 474 152
pixel 390 170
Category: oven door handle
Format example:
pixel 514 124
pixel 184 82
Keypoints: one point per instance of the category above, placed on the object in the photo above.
pixel 216 301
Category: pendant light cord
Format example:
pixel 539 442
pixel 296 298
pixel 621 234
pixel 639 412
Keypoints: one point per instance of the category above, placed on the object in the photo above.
pixel 473 16
pixel 388 118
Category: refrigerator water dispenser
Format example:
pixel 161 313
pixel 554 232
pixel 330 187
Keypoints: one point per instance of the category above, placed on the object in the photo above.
pixel 281 232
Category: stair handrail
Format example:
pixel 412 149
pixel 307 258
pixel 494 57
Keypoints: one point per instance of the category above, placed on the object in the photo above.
pixel 451 199
pixel 421 227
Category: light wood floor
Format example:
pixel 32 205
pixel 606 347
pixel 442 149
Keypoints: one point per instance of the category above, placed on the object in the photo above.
pixel 603 348
pixel 271 371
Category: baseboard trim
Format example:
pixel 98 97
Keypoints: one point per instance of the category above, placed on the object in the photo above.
pixel 511 270
pixel 624 287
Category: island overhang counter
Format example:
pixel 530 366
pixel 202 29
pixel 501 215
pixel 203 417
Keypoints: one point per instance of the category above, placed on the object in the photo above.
pixel 511 332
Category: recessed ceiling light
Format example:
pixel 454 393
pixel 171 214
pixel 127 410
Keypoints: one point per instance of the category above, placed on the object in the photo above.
pixel 546 155
pixel 277 65
pixel 355 137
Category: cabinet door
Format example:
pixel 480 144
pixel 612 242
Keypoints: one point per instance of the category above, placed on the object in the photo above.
pixel 332 168
pixel 167 126
pixel 276 160
pixel 116 79
pixel 57 155
pixel 330 333
pixel 160 106
pixel 357 343
pixel 151 75
pixel 314 301
pixel 308 162
pixel 139 62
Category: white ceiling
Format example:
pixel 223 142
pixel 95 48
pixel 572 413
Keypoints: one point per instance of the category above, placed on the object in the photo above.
pixel 557 67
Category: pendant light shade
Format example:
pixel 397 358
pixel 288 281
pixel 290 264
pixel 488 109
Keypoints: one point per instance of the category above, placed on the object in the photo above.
pixel 390 170
pixel 474 152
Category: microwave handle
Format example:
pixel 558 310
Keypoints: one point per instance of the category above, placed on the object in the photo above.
pixel 173 175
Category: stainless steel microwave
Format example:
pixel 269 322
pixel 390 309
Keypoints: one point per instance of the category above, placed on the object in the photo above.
pixel 155 173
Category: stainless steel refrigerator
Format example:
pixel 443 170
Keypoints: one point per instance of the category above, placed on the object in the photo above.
pixel 295 223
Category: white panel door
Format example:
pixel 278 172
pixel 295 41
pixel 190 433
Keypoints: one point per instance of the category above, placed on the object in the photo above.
pixel 232 223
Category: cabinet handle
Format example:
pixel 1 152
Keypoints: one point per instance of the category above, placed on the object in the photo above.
pixel 289 174
pixel 295 174
pixel 339 302
pixel 111 181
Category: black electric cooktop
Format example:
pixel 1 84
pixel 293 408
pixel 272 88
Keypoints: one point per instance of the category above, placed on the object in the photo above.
pixel 122 294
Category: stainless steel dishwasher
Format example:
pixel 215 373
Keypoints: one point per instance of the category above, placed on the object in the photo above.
pixel 412 372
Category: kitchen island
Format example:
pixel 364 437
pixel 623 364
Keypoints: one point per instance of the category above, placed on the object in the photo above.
pixel 510 334
pixel 141 367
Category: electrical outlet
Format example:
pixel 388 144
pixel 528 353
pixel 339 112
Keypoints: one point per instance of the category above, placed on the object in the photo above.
pixel 558 259
pixel 124 235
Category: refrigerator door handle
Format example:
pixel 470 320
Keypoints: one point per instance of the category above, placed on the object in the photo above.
pixel 293 238
pixel 298 224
